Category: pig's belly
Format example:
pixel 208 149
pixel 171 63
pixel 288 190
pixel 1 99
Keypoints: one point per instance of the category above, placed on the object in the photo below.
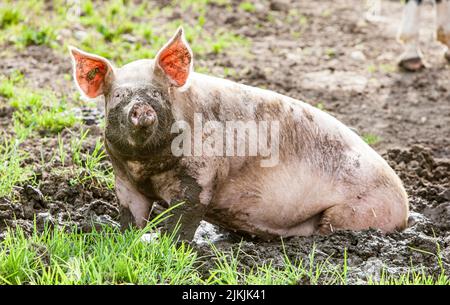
pixel 281 201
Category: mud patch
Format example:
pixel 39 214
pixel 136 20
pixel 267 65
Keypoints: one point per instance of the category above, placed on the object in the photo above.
pixel 58 202
pixel 327 80
pixel 61 194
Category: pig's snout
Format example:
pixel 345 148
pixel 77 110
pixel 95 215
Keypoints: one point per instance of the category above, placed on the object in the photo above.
pixel 142 115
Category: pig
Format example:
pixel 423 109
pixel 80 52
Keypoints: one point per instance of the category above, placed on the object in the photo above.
pixel 326 177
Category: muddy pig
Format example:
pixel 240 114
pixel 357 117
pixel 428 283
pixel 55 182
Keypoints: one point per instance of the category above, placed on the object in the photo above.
pixel 323 177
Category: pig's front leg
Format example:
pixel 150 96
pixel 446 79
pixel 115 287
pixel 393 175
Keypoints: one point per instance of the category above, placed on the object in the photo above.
pixel 189 214
pixel 126 218
pixel 134 206
pixel 187 217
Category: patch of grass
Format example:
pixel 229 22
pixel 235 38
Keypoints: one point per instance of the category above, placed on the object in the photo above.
pixel 388 68
pixel 228 271
pixel 12 170
pixel 37 36
pixel 415 276
pixel 9 16
pixel 62 256
pixel 303 20
pixel 121 51
pixel 106 257
pixel 247 6
pixel 89 166
pixel 6 88
pixel 320 106
pixel 371 139
pixel 372 68
pixel 61 150
pixel 330 52
pixel 229 72
pixel 7 84
pixel 41 109
pixel 121 31
pixel 385 68
pixel 223 41
pixel 96 168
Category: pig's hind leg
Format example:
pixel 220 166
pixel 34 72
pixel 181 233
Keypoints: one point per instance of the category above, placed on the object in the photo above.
pixel 363 214
pixel 305 228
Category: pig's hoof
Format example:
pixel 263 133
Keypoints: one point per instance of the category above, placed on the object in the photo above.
pixel 126 219
pixel 411 64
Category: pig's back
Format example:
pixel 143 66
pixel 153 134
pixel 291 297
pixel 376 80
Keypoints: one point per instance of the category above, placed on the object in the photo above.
pixel 304 129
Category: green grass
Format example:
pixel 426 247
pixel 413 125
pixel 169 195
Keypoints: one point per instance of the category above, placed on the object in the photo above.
pixel 37 36
pixel 60 257
pixel 81 164
pixel 9 16
pixel 148 42
pixel 227 271
pixel 65 256
pixel 370 138
pixel 12 170
pixel 89 166
pixel 7 84
pixel 247 6
pixel 6 88
pixel 39 112
pixel 411 278
pixel 38 109
pixel 330 52
pixel 121 31
pixel 416 276
pixel 320 106
pixel 385 68
pixel 42 110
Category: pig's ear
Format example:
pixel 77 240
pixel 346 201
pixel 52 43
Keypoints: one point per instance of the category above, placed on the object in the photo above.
pixel 91 72
pixel 175 59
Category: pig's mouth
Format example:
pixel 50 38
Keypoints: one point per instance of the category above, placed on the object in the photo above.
pixel 132 143
pixel 134 136
pixel 143 135
pixel 141 141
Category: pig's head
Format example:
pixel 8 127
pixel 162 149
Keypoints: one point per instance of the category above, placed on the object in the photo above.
pixel 138 107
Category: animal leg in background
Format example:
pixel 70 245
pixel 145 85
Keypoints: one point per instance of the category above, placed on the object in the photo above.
pixel 411 58
pixel 443 24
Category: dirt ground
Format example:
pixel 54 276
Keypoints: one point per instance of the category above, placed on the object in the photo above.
pixel 341 60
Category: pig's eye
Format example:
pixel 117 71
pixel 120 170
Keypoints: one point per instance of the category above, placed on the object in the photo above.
pixel 121 94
